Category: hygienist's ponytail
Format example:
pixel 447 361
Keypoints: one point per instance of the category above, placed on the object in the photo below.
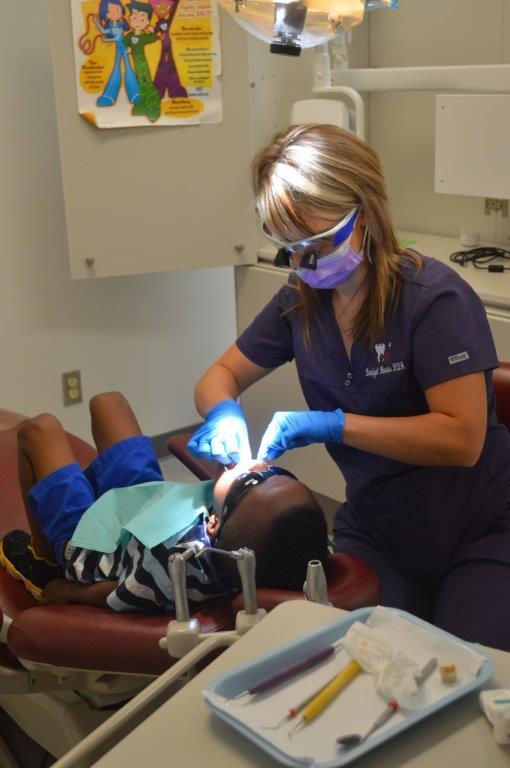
pixel 321 171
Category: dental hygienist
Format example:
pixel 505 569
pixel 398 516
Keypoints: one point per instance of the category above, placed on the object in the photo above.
pixel 394 355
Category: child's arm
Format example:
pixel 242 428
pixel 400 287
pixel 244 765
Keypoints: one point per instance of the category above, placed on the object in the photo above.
pixel 62 592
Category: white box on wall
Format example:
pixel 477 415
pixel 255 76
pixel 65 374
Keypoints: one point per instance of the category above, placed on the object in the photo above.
pixel 473 145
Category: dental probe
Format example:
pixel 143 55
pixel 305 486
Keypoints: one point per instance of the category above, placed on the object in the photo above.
pixel 353 739
pixel 294 711
pixel 327 694
pixel 287 673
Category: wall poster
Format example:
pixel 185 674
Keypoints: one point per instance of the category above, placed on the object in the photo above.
pixel 147 62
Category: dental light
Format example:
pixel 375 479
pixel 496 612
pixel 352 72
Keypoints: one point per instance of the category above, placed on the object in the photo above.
pixel 290 25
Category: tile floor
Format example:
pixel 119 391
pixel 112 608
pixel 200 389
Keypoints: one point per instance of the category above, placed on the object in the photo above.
pixel 174 470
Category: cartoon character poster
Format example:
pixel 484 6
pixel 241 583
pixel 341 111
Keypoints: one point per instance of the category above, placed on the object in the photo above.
pixel 147 62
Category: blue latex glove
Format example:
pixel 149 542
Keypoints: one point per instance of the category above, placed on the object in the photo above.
pixel 295 429
pixel 223 436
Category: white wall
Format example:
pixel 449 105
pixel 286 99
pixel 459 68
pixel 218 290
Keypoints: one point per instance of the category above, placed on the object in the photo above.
pixel 149 336
pixel 431 32
pixel 278 81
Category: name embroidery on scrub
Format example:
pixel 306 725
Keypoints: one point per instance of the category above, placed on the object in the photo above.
pixel 458 358
pixel 384 362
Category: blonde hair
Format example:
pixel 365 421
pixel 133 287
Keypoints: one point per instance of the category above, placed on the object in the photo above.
pixel 323 171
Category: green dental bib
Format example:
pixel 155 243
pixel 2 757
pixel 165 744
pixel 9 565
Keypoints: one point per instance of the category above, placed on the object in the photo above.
pixel 153 512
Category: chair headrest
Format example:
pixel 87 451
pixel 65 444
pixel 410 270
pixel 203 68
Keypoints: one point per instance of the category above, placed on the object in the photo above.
pixel 351 585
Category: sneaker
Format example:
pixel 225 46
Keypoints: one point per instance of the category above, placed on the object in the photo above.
pixel 19 559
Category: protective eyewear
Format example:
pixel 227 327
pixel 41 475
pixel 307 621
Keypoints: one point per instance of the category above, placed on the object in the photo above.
pixel 243 485
pixel 304 254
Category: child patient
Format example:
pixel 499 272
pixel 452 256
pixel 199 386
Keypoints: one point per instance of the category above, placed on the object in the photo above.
pixel 112 546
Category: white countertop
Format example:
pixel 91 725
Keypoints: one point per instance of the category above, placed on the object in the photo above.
pixel 183 732
pixel 492 287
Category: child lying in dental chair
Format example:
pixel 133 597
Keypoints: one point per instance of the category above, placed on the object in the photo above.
pixel 109 529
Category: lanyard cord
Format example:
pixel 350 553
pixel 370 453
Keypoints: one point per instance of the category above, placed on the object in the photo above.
pixel 481 258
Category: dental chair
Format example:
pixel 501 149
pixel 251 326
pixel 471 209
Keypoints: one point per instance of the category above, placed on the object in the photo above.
pixel 501 383
pixel 78 663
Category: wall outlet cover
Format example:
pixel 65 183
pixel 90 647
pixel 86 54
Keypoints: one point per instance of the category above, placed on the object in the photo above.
pixel 71 386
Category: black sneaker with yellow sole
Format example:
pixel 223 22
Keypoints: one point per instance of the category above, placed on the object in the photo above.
pixel 19 559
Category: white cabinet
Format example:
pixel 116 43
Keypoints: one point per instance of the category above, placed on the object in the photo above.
pixel 144 200
pixel 281 390
pixel 499 321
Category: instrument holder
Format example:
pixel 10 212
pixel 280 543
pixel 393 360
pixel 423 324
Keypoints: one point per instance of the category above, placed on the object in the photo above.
pixel 183 633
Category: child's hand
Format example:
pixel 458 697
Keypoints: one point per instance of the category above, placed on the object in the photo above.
pixel 57 592
pixel 63 592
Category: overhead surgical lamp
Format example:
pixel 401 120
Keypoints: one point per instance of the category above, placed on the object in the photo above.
pixel 290 25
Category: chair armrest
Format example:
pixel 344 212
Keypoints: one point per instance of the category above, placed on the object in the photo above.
pixel 202 468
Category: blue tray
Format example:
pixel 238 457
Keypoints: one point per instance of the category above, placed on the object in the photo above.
pixel 240 678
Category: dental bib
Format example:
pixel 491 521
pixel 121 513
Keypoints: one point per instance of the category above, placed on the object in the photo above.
pixel 152 512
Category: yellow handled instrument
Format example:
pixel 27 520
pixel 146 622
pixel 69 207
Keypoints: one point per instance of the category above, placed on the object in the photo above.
pixel 327 694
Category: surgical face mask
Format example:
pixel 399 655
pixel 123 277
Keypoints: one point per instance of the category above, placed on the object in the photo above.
pixel 327 260
pixel 333 270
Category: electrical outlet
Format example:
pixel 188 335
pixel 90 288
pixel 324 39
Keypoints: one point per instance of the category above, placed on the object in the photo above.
pixel 497 205
pixel 71 384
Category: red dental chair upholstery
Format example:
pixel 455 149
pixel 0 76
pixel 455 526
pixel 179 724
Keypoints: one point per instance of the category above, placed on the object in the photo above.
pixel 501 382
pixel 83 637
pixel 78 636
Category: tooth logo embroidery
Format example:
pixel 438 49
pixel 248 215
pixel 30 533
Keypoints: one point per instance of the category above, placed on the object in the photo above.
pixel 383 352
pixel 384 365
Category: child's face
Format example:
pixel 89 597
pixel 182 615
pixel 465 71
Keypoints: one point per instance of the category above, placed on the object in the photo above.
pixel 114 12
pixel 264 501
pixel 138 20
pixel 224 481
pixel 227 477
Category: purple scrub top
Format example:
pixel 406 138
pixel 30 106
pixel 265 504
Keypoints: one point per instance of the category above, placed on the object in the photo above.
pixel 422 517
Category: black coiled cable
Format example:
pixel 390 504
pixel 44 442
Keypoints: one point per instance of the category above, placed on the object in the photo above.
pixel 482 258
